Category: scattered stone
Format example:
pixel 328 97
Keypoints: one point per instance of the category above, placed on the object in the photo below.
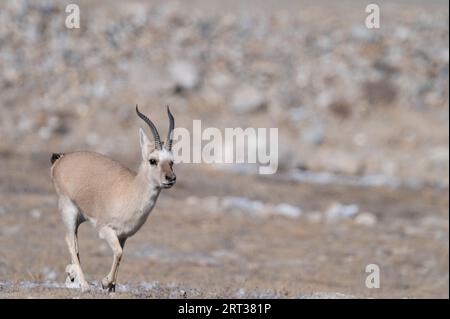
pixel 439 157
pixel 245 205
pixel 340 109
pixel 381 92
pixel 314 136
pixel 35 213
pixel 185 75
pixel 297 115
pixel 247 100
pixel 244 62
pixel 433 221
pixel 25 124
pixel 212 203
pixel 242 204
pixel 92 138
pixel 342 163
pixel 327 295
pixel 45 133
pixel 338 211
pixel 288 210
pixel 360 139
pixel 361 33
pixel 49 273
pixel 366 219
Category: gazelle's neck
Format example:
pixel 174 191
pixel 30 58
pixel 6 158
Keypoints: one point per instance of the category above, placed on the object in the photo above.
pixel 146 189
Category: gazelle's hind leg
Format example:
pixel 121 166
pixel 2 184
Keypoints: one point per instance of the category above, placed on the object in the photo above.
pixel 72 218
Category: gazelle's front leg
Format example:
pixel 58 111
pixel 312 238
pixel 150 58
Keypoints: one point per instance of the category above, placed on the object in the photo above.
pixel 116 244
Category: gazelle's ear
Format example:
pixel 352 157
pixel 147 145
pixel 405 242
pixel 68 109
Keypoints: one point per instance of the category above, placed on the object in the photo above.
pixel 146 146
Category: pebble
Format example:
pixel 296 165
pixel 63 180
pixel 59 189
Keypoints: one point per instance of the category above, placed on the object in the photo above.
pixel 35 213
pixel 288 210
pixel 248 100
pixel 314 136
pixel 366 219
pixel 338 211
pixel 185 75
pixel 49 273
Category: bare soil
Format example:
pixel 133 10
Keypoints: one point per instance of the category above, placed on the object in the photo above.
pixel 188 251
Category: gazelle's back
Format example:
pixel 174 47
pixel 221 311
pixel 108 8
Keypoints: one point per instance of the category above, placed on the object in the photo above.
pixel 91 180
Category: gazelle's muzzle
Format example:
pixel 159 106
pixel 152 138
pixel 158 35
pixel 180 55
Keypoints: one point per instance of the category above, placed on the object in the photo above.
pixel 169 181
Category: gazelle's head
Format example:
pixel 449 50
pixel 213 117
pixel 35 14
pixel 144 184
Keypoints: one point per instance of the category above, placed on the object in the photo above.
pixel 157 158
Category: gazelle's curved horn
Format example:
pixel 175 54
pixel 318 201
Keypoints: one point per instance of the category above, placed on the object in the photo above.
pixel 168 144
pixel 152 127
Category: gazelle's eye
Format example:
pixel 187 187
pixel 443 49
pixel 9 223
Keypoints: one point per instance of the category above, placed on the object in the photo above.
pixel 153 161
pixel 171 163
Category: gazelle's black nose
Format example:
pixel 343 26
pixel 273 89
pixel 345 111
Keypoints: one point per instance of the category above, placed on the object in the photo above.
pixel 171 178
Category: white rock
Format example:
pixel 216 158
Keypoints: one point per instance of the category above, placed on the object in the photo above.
pixel 212 204
pixel 339 211
pixel 35 213
pixel 361 33
pixel 327 295
pixel 314 135
pixel 433 221
pixel 297 114
pixel 45 132
pixel 360 139
pixel 49 273
pixel 248 99
pixel 288 210
pixel 240 293
pixel 92 138
pixel 25 124
pixel 243 204
pixel 184 74
pixel 342 163
pixel 366 219
pixel 221 80
pixel 439 156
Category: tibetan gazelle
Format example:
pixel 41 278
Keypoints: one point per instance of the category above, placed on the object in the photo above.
pixel 117 201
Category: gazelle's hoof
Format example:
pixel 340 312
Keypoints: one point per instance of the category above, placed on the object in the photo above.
pixel 73 278
pixel 107 284
pixel 71 272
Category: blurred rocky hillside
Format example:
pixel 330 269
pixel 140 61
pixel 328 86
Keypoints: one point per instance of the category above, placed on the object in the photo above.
pixel 347 100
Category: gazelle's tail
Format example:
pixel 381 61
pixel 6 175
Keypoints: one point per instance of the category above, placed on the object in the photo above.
pixel 55 157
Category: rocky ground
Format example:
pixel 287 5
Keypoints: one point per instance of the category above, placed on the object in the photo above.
pixel 363 124
pixel 211 240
